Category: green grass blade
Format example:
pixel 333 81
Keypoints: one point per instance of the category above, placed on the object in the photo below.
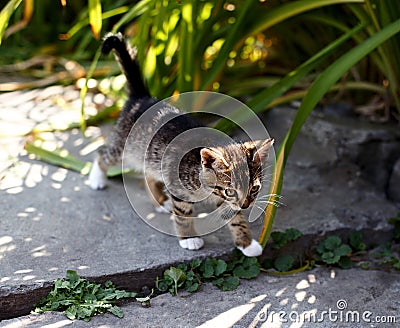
pixel 272 17
pixel 6 14
pixel 259 102
pixel 95 17
pixel 83 23
pixel 59 157
pixel 290 9
pixel 136 11
pixel 186 55
pixel 84 90
pixel 319 88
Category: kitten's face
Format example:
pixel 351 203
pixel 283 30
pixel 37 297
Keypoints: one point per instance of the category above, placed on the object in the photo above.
pixel 234 172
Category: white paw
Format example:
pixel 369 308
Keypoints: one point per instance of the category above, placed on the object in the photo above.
pixel 191 243
pixel 254 249
pixel 97 178
pixel 164 208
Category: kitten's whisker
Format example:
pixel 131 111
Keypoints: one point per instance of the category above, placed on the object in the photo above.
pixel 271 195
pixel 274 203
pixel 260 208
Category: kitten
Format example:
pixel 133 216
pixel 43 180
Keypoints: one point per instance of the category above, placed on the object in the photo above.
pixel 226 173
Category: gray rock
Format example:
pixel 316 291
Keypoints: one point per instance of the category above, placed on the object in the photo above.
pixel 324 297
pixel 394 183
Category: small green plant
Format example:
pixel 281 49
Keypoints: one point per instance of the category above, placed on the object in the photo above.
pixel 355 241
pixel 78 298
pixel 385 254
pixel 332 251
pixel 395 221
pixel 280 239
pixel 283 263
pixel 224 275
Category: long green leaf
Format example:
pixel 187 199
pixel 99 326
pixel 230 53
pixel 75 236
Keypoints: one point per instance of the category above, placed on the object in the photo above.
pixel 137 10
pixel 5 15
pixel 321 85
pixel 95 17
pixel 186 53
pixel 272 17
pixel 259 102
pixel 290 9
pixel 59 157
pixel 62 158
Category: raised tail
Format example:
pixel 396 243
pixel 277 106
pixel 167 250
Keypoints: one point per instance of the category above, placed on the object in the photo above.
pixel 126 58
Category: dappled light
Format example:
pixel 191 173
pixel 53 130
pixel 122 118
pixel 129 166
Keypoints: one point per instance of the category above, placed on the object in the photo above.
pixel 291 306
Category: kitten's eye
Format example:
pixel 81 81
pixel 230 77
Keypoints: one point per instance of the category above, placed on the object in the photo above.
pixel 255 189
pixel 229 192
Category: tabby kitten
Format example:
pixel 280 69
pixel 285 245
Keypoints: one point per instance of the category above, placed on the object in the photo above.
pixel 225 173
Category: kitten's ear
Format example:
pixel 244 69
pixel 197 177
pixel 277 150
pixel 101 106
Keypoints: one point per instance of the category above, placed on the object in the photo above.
pixel 259 149
pixel 212 158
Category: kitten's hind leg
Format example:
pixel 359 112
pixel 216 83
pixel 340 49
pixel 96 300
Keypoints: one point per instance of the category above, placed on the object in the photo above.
pixel 242 236
pixel 108 156
pixel 97 176
pixel 155 189
pixel 184 226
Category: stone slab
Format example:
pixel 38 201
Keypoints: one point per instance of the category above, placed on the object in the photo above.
pixel 322 297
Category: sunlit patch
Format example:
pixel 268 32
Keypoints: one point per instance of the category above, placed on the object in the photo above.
pixel 15 190
pixel 8 248
pixel 285 301
pixel 5 240
pixel 230 317
pixel 303 284
pixel 28 277
pixel 280 292
pixel 23 271
pixel 59 175
pixel 150 216
pixel 56 185
pixel 40 251
pixel 312 299
pixel 41 254
pixel 107 217
pixel 92 147
pixel 311 278
pixel 300 296
pixel 258 298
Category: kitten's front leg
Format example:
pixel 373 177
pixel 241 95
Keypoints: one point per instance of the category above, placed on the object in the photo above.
pixel 184 226
pixel 242 236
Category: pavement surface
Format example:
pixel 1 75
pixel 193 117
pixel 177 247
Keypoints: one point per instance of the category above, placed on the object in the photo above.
pixel 51 221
